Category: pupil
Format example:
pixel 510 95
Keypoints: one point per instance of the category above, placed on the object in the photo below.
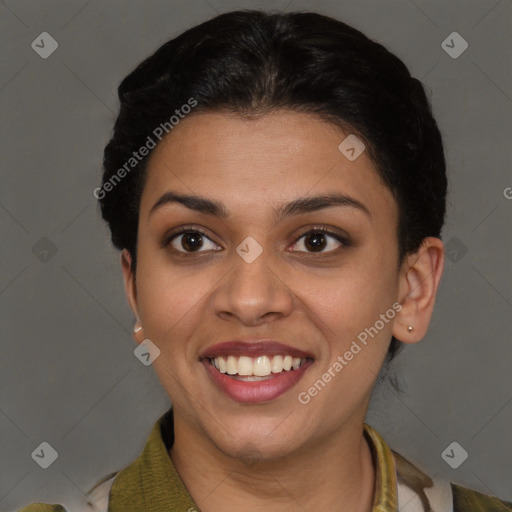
pixel 196 241
pixel 318 241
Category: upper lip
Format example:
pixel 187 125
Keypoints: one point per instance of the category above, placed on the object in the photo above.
pixel 252 348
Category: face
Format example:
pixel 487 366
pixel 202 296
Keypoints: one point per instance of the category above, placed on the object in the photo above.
pixel 264 276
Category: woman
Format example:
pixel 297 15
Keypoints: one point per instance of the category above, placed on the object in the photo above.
pixel 276 184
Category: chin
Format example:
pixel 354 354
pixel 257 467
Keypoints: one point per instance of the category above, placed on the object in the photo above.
pixel 254 451
pixel 256 442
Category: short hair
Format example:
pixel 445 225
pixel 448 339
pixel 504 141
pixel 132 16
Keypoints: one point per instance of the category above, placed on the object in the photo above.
pixel 252 62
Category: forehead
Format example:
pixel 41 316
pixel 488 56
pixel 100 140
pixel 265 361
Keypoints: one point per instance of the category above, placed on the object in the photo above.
pixel 261 162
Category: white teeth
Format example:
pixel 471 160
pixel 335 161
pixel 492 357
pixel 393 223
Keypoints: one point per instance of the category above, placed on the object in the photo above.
pixel 222 365
pixel 260 366
pixel 277 364
pixel 250 378
pixel 244 365
pixel 231 365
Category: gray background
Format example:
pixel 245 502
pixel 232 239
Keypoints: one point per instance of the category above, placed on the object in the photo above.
pixel 68 375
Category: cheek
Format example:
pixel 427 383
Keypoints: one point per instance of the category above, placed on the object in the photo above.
pixel 349 316
pixel 346 307
pixel 170 304
pixel 169 299
pixel 353 295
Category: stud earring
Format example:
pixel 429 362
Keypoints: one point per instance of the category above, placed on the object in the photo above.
pixel 410 328
pixel 137 329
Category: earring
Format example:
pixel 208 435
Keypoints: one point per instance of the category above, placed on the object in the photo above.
pixel 410 328
pixel 137 329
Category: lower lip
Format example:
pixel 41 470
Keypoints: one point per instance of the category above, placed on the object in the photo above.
pixel 256 392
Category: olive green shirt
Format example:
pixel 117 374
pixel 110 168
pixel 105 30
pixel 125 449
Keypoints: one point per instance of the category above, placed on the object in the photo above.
pixel 152 484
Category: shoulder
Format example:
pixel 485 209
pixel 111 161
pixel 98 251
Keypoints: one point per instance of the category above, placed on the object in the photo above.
pixel 465 499
pixel 97 500
pixel 417 491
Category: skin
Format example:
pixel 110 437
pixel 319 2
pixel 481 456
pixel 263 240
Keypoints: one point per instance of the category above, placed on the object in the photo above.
pixel 280 455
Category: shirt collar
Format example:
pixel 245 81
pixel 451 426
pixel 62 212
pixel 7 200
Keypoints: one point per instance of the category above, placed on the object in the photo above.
pixel 151 482
pixel 385 497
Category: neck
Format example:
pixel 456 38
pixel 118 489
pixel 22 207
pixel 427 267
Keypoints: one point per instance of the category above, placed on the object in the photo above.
pixel 337 473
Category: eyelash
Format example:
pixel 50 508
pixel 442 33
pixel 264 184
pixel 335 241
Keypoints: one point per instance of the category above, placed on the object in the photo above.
pixel 345 242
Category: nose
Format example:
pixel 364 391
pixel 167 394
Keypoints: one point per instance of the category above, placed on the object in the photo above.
pixel 253 293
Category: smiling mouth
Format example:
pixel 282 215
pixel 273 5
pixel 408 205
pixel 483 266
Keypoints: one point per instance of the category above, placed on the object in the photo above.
pixel 253 369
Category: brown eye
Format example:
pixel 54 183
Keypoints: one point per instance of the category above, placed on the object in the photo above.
pixel 189 240
pixel 316 240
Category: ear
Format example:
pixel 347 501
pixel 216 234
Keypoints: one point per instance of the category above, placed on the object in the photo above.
pixel 130 288
pixel 419 279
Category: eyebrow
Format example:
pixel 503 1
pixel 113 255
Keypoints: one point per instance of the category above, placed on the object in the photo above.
pixel 296 207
